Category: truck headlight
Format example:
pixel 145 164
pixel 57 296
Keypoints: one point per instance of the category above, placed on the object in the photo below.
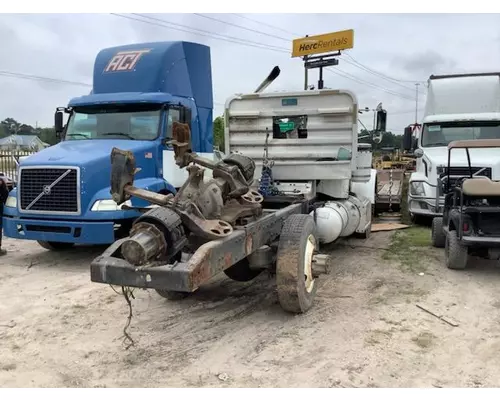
pixel 11 202
pixel 417 189
pixel 109 205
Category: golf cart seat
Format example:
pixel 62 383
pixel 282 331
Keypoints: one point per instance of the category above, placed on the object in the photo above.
pixel 480 186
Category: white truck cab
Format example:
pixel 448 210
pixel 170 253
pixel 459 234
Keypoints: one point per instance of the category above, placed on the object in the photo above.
pixel 458 107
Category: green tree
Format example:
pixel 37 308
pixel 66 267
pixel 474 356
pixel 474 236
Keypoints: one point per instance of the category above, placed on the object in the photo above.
pixel 47 135
pixel 9 126
pixel 219 133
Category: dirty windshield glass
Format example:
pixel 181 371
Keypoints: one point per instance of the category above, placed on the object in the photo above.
pixel 130 125
pixel 435 135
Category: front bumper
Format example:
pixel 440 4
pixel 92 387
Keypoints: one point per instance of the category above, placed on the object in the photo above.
pixel 425 206
pixel 112 270
pixel 79 232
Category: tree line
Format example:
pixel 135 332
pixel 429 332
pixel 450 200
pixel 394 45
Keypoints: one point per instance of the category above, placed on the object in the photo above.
pixel 9 126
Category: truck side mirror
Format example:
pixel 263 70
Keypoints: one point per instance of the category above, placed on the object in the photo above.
pixel 58 123
pixel 408 139
pixel 185 115
pixel 381 120
pixel 414 142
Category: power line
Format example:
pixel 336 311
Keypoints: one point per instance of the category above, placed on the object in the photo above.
pixel 268 25
pixel 354 61
pixel 345 74
pixel 162 22
pixel 41 78
pixel 180 27
pixel 242 27
pixel 357 63
pixel 18 75
pixel 366 69
pixel 339 72
pixel 404 112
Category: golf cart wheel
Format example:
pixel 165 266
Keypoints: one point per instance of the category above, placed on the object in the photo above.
pixel 55 246
pixel 295 282
pixel 172 295
pixel 438 237
pixel 456 255
pixel 241 271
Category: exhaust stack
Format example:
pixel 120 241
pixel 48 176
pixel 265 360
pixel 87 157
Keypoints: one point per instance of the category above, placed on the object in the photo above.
pixel 270 78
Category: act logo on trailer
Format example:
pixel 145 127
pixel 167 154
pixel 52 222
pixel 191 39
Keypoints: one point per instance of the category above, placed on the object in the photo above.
pixel 125 60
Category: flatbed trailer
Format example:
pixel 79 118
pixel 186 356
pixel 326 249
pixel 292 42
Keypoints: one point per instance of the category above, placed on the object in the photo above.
pixel 389 189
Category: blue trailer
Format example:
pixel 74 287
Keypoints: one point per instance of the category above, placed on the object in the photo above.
pixel 63 193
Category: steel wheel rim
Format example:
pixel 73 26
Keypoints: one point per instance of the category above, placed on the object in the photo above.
pixel 308 260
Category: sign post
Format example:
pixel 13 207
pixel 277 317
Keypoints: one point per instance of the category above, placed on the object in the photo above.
pixel 320 51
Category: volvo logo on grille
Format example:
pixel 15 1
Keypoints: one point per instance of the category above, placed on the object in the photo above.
pixel 48 188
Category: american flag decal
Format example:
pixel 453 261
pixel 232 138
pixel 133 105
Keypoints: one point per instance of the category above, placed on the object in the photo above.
pixel 148 155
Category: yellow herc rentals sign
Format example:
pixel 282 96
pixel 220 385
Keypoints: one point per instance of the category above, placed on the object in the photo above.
pixel 323 43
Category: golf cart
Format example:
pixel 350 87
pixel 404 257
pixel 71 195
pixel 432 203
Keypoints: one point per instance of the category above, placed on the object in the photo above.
pixel 470 224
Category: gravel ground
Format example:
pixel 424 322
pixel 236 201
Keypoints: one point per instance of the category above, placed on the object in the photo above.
pixel 59 329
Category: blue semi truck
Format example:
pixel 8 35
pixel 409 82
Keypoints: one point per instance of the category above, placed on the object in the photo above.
pixel 63 193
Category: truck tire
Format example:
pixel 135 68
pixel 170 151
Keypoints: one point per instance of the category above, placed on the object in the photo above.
pixel 438 237
pixel 172 295
pixel 241 271
pixel 294 277
pixel 55 246
pixel 456 255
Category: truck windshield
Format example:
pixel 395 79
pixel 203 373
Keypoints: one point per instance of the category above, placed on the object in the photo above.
pixel 113 124
pixel 440 134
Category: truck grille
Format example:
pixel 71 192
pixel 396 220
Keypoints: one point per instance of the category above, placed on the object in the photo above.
pixel 460 172
pixel 53 190
pixel 464 171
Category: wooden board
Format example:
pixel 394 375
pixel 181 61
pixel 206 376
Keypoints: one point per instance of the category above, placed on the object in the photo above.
pixel 388 227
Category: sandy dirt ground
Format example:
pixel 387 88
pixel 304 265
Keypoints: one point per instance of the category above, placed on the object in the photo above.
pixel 59 329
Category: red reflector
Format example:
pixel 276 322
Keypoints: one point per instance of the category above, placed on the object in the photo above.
pixel 466 226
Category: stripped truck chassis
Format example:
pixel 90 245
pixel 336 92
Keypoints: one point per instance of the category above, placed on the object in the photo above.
pixel 209 260
pixel 213 226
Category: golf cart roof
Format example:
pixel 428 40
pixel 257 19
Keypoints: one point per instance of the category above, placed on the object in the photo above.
pixel 477 143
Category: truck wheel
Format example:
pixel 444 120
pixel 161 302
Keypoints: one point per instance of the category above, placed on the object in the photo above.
pixel 241 271
pixel 172 295
pixel 294 276
pixel 456 255
pixel 55 246
pixel 438 236
pixel 366 234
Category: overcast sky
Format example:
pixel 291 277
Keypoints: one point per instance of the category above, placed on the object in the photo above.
pixel 405 47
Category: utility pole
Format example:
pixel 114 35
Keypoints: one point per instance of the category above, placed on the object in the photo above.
pixel 306 72
pixel 416 103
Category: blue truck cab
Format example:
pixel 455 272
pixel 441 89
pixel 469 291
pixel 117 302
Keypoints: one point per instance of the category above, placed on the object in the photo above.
pixel 63 193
